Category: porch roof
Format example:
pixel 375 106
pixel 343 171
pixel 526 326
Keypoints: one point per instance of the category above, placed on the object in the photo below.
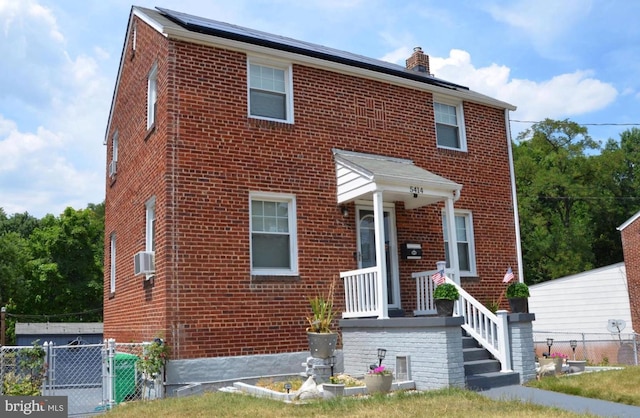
pixel 359 175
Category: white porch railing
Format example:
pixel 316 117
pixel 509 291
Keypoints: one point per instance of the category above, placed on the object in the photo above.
pixel 361 299
pixel 490 330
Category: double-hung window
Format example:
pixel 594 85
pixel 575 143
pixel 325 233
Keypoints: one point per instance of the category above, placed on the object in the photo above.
pixel 273 234
pixel 113 165
pixel 112 264
pixel 152 96
pixel 150 230
pixel 464 241
pixel 270 91
pixel 449 125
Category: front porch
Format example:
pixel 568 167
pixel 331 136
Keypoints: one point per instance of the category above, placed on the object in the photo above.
pixel 491 331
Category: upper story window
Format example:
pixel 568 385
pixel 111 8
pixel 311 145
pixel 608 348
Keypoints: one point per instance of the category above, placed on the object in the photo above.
pixel 270 91
pixel 113 165
pixel 150 230
pixel 112 264
pixel 449 125
pixel 274 247
pixel 152 96
pixel 464 240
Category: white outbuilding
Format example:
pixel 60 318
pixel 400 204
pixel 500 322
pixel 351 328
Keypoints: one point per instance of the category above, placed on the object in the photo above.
pixel 583 302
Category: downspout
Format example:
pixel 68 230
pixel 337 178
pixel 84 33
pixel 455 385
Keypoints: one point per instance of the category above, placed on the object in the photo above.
pixel 514 196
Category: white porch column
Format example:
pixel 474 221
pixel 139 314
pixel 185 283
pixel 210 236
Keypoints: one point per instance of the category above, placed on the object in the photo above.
pixel 381 258
pixel 453 246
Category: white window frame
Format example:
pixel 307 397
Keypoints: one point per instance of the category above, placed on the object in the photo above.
pixel 467 215
pixel 152 96
pixel 288 86
pixel 150 225
pixel 293 235
pixel 462 137
pixel 112 263
pixel 113 166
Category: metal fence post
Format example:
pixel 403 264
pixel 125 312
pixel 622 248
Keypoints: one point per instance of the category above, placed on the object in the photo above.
pixel 112 372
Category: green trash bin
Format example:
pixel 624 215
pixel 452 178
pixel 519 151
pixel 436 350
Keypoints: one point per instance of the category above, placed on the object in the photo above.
pixel 125 370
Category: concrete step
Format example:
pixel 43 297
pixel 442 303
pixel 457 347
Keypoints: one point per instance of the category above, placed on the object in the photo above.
pixel 485 381
pixel 469 342
pixel 481 366
pixel 475 353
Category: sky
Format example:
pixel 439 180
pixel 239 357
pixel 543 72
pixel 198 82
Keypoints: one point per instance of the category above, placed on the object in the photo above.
pixel 575 59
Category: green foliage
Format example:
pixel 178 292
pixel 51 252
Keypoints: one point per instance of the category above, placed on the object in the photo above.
pixel 517 290
pixel 52 266
pixel 28 371
pixel 446 291
pixel 153 358
pixel 570 199
pixel 322 311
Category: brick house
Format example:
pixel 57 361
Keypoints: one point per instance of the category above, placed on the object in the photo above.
pixel 630 234
pixel 247 170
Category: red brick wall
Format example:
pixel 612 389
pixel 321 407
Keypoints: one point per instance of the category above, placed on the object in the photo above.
pixel 206 155
pixel 630 247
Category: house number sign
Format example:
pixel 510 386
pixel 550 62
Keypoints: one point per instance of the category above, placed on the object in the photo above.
pixel 416 190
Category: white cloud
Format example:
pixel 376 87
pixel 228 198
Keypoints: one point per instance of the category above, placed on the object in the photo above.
pixel 564 95
pixel 53 111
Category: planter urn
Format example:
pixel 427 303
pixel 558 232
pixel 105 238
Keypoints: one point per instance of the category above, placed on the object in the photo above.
pixel 519 305
pixel 444 307
pixel 378 383
pixel 322 344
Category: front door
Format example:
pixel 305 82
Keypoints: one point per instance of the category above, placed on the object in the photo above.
pixel 367 248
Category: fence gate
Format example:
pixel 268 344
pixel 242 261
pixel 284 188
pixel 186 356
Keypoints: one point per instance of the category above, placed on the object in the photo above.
pixel 93 377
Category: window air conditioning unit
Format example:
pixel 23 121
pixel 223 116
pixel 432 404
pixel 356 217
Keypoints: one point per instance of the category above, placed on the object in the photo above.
pixel 112 168
pixel 143 263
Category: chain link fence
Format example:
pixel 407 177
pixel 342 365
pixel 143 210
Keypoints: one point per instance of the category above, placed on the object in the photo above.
pixel 93 377
pixel 598 349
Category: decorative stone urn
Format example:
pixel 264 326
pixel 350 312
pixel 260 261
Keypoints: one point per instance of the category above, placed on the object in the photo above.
pixel 378 383
pixel 322 344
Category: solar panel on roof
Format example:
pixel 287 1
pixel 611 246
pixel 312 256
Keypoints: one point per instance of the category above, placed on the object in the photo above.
pixel 235 32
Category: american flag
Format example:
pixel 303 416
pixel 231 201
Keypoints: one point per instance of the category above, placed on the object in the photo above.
pixel 508 276
pixel 438 278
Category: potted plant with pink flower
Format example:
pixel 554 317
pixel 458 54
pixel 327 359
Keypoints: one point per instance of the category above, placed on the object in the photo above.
pixel 378 380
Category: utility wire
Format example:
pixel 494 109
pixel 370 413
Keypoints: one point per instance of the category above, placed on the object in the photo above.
pixel 584 124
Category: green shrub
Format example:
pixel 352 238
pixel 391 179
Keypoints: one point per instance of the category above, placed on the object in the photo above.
pixel 446 291
pixel 517 290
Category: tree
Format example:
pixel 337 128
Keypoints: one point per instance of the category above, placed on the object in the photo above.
pixel 553 177
pixel 64 274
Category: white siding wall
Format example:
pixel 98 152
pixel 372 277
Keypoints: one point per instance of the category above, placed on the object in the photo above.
pixel 582 302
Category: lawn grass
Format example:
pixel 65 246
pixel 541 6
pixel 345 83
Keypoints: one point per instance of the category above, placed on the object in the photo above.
pixel 436 403
pixel 619 386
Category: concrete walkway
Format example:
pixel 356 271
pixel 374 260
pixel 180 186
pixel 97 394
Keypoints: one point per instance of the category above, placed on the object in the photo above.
pixel 573 403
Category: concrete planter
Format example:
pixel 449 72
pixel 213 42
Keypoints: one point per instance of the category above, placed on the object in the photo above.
pixel 378 383
pixel 519 305
pixel 576 366
pixel 322 345
pixel 444 307
pixel 332 390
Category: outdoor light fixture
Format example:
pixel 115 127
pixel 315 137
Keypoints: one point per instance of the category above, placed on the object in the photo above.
pixel 573 344
pixel 287 387
pixel 344 210
pixel 549 344
pixel 332 362
pixel 381 355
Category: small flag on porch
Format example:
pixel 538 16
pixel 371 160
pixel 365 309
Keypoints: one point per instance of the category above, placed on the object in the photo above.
pixel 508 276
pixel 438 278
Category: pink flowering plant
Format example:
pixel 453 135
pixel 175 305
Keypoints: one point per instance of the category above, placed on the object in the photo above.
pixel 380 370
pixel 558 355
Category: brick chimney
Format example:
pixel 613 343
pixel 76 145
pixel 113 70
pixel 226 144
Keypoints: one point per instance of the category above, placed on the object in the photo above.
pixel 418 61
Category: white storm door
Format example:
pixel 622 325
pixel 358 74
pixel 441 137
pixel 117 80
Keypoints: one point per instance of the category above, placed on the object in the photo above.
pixel 367 248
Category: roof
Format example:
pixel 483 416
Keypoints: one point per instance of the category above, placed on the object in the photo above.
pixel 400 179
pixel 50 328
pixel 182 26
pixel 629 221
pixel 239 33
